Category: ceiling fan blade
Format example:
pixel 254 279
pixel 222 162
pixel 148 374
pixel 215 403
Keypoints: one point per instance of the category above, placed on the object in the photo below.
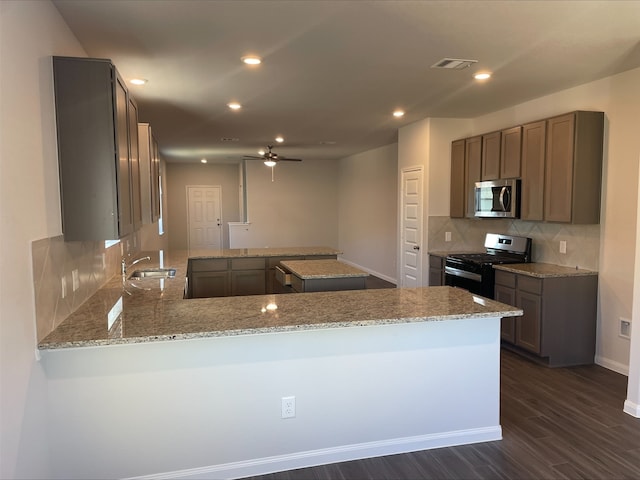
pixel 251 157
pixel 290 159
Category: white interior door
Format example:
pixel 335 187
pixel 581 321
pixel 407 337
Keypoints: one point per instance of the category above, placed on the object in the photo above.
pixel 204 217
pixel 411 227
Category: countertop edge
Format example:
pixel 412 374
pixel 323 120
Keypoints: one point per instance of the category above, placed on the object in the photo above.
pixel 270 330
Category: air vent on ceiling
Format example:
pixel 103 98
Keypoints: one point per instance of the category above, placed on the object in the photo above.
pixel 454 63
pixel 229 139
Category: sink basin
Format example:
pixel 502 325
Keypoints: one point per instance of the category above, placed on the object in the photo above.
pixel 154 273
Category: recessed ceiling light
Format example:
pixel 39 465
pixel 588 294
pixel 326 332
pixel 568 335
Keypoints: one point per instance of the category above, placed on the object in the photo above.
pixel 252 60
pixel 482 76
pixel 138 81
pixel 279 139
pixel 234 106
pixel 204 160
pixel 398 113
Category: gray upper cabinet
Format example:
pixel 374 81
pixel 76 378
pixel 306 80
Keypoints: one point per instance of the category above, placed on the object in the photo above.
pixel 532 192
pixel 458 199
pixel 149 174
pixel 491 156
pixel 511 152
pixel 573 168
pixel 97 173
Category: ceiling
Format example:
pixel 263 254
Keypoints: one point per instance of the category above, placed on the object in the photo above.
pixel 334 71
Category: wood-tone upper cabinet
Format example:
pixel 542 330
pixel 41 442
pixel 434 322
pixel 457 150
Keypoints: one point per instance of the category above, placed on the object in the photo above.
pixel 93 112
pixel 149 174
pixel 573 168
pixel 511 152
pixel 491 156
pixel 532 184
pixel 457 193
pixel 472 172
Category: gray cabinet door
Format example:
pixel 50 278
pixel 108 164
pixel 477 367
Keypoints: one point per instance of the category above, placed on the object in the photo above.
pixel 491 156
pixel 533 158
pixel 528 325
pixel 472 172
pixel 457 194
pixel 94 149
pixel 508 324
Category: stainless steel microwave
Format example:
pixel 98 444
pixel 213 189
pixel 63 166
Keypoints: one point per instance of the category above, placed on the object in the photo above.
pixel 498 198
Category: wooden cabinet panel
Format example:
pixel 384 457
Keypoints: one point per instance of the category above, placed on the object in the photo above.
pixel 511 152
pixel 457 193
pixel 248 282
pixel 436 271
pixel 134 158
pixel 491 156
pixel 95 148
pixel 209 284
pixel 208 265
pixel 559 169
pixel 248 263
pixel 533 160
pixel 125 206
pixel 528 326
pixel 472 172
pixel 573 168
pixel 149 174
pixel 508 324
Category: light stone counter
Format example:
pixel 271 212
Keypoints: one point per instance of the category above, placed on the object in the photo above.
pixel 126 311
pixel 263 252
pixel 544 270
pixel 308 269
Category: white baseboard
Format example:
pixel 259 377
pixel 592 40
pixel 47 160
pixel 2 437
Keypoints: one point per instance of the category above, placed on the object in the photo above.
pixel 632 408
pixel 262 466
pixel 370 271
pixel 612 365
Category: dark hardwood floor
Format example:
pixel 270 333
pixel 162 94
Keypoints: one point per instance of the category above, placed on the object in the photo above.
pixel 557 424
pixel 375 282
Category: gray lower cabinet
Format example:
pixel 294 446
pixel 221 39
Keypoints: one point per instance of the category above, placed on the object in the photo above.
pixel 208 277
pixel 223 277
pixel 436 270
pixel 248 276
pixel 558 327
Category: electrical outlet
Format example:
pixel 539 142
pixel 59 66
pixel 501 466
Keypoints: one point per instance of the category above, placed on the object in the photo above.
pixel 288 407
pixel 63 287
pixel 75 277
pixel 625 328
pixel 563 246
pixel 447 236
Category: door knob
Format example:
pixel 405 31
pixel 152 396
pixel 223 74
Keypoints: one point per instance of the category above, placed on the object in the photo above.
pixel 416 247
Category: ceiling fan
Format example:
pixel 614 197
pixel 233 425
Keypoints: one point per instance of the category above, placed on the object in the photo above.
pixel 271 158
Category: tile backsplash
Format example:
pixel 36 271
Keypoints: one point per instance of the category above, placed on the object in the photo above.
pixel 53 260
pixel 583 241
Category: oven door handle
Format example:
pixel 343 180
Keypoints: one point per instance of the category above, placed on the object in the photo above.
pixel 463 273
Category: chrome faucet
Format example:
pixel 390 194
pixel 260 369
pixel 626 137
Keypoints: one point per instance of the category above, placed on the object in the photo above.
pixel 124 265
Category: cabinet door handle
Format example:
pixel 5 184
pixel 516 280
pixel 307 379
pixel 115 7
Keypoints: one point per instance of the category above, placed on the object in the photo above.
pixel 416 247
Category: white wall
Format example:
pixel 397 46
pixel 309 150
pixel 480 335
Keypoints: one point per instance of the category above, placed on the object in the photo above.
pixel 30 32
pixel 367 211
pixel 211 408
pixel 427 143
pixel 178 177
pixel 299 208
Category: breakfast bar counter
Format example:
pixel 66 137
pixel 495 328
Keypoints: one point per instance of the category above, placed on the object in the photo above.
pixel 370 373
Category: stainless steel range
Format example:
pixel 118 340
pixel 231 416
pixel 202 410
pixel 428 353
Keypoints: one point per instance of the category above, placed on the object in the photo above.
pixel 474 271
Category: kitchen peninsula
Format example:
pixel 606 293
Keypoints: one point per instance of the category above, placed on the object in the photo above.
pixel 373 372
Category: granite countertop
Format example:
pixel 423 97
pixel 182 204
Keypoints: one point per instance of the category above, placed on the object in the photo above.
pixel 544 270
pixel 263 252
pixel 311 269
pixel 149 310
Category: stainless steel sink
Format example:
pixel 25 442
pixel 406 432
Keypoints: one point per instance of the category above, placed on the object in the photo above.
pixel 154 273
